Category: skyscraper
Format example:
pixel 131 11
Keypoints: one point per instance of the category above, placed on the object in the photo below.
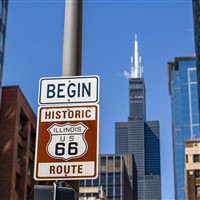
pixel 185 114
pixel 140 137
pixel 3 20
pixel 196 17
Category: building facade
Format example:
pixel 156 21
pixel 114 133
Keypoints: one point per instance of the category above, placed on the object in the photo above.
pixel 17 144
pixel 3 22
pixel 185 114
pixel 192 169
pixel 117 176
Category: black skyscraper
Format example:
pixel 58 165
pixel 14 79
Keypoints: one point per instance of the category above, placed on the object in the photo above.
pixel 140 137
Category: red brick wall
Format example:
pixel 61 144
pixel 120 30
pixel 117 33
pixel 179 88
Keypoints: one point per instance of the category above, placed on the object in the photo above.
pixel 12 102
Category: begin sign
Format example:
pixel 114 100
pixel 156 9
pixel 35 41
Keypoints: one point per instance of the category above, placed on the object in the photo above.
pixel 77 89
pixel 67 143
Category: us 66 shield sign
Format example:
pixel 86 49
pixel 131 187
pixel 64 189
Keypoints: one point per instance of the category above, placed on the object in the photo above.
pixel 67 143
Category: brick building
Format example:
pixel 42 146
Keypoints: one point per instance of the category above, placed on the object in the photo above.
pixel 17 145
pixel 192 170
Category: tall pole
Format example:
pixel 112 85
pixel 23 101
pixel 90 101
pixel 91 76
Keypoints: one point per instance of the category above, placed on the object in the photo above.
pixel 72 47
pixel 72 42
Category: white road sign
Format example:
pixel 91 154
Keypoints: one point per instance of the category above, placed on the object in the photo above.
pixel 72 89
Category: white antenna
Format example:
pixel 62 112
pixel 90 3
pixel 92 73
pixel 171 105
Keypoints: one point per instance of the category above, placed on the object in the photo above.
pixel 136 70
pixel 132 68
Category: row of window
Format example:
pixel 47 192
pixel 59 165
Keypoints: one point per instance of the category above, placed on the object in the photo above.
pixel 22 151
pixel 109 179
pixel 196 158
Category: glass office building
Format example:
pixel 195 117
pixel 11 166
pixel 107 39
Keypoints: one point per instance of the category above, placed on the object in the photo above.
pixel 118 177
pixel 142 139
pixel 196 17
pixel 3 19
pixel 185 114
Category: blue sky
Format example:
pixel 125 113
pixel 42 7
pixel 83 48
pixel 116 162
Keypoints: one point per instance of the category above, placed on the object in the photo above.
pixel 164 29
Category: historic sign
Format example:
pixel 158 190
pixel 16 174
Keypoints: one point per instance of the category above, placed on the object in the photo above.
pixel 67 142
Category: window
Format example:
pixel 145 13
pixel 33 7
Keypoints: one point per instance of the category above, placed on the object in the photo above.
pixel 196 158
pixel 110 178
pixel 110 165
pixel 17 182
pixel 30 168
pixel 110 191
pixel 117 178
pixel 110 157
pixel 103 163
pixel 186 158
pixel 29 192
pixel 117 191
pixel 19 153
pixel 32 142
pixel 197 173
pixel 103 179
pixel 96 195
pixel 198 189
pixel 88 183
pixel 117 163
pixel 22 125
pixel 96 182
pixel 82 183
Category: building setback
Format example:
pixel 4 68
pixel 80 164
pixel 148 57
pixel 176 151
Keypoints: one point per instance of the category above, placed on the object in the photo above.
pixel 185 114
pixel 192 169
pixel 17 145
pixel 117 175
pixel 140 137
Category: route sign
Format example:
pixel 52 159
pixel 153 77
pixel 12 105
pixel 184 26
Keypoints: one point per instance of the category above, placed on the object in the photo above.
pixel 72 89
pixel 67 142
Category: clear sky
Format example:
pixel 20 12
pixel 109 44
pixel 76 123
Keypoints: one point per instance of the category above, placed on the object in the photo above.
pixel 164 29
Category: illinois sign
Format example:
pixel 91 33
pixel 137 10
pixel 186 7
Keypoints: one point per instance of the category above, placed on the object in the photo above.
pixel 67 142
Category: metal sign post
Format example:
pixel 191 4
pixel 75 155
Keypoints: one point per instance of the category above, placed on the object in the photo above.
pixel 72 53
pixel 72 46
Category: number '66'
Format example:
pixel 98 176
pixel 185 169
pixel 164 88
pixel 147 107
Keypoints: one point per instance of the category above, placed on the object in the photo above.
pixel 72 148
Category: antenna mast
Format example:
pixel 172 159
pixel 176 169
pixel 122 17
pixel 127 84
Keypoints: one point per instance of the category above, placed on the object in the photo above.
pixel 136 70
